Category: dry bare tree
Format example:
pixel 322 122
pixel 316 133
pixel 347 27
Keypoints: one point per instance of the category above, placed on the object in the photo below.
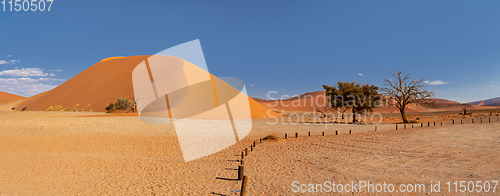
pixel 404 91
pixel 134 103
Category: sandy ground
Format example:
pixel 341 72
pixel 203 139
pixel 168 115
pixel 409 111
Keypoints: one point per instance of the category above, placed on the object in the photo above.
pixel 61 153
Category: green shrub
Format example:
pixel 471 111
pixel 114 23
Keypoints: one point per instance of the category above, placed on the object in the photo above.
pixel 122 104
pixel 110 108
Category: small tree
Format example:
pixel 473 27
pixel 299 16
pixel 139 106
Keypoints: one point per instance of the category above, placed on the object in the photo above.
pixel 359 98
pixel 110 108
pixel 404 91
pixel 122 104
pixel 134 104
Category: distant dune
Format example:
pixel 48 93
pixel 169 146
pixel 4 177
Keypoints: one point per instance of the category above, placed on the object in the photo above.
pixel 489 102
pixel 308 101
pixel 7 97
pixel 101 84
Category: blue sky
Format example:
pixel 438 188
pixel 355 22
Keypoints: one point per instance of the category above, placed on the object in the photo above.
pixel 291 47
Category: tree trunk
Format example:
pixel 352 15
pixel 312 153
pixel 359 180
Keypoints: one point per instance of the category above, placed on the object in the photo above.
pixel 403 115
pixel 354 116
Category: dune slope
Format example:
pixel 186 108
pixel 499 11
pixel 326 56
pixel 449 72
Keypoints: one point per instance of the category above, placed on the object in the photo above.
pixel 7 97
pixel 101 84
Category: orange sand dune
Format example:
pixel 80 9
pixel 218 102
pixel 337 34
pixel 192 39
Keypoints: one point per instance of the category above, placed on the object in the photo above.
pixel 101 84
pixel 7 97
pixel 308 101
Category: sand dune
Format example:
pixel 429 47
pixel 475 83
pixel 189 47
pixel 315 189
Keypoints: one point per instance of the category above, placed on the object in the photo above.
pixel 308 101
pixel 492 102
pixel 7 97
pixel 101 84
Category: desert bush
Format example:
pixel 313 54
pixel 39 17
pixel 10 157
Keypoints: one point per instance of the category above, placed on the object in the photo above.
pixel 271 137
pixel 13 108
pixel 122 104
pixel 24 109
pixel 110 108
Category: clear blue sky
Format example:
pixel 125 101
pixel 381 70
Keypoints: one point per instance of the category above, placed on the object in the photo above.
pixel 291 47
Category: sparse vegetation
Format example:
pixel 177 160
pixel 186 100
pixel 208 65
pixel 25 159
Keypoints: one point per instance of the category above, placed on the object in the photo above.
pixel 13 108
pixel 271 137
pixel 122 104
pixel 24 109
pixel 403 92
pixel 54 108
pixel 352 95
pixel 110 108
pixel 135 102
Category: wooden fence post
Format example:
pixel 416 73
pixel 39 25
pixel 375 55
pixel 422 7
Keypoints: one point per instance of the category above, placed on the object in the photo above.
pixel 349 131
pixel 296 135
pixel 396 127
pixel 240 172
pixel 375 128
pixel 244 186
pixel 336 132
pixel 309 133
pixel 285 136
pixel 323 133
pixel 246 151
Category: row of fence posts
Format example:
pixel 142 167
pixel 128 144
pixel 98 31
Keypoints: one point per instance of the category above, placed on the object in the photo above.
pixel 322 133
pixel 241 167
pixel 453 122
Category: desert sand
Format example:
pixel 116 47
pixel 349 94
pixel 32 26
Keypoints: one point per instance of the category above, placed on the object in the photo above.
pixel 61 153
